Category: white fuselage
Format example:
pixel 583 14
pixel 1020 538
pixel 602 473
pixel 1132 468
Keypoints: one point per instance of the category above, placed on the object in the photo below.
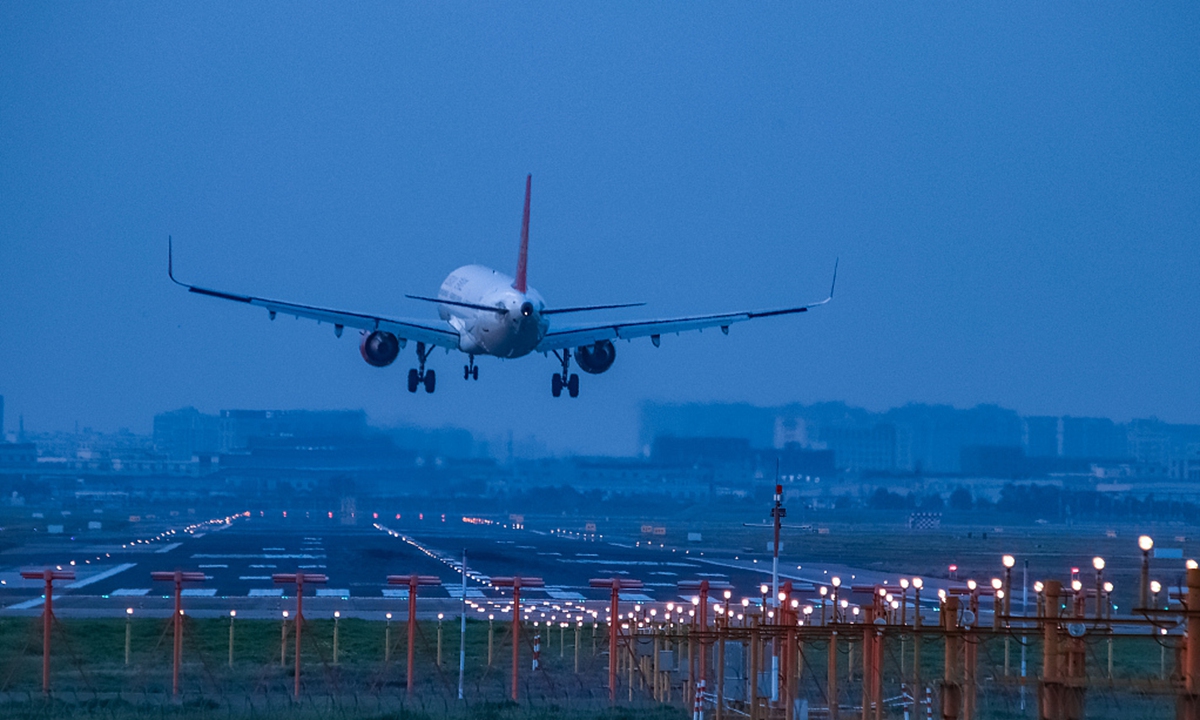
pixel 482 332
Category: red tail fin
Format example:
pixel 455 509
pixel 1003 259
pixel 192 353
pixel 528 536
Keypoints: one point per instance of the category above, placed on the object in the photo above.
pixel 519 283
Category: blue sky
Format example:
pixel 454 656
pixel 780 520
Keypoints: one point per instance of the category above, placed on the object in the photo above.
pixel 1012 190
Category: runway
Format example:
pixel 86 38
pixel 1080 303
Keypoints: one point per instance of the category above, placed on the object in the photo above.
pixel 239 559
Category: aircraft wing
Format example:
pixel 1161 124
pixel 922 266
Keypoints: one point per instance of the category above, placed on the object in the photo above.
pixel 403 329
pixel 655 329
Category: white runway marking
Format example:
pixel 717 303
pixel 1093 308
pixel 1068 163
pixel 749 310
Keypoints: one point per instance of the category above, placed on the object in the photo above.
pixel 333 592
pixel 635 597
pixel 395 593
pixel 27 605
pixel 235 556
pixel 266 592
pixel 214 566
pixel 100 576
pixel 129 592
pixel 167 548
pixel 564 595
pixel 199 592
pixel 254 577
pixel 455 592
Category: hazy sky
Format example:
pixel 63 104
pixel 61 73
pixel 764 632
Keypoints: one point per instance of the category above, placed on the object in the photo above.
pixel 1012 191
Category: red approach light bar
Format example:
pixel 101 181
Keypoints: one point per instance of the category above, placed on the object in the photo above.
pixel 292 578
pixel 687 585
pixel 520 582
pixel 414 580
pixel 178 576
pixel 48 574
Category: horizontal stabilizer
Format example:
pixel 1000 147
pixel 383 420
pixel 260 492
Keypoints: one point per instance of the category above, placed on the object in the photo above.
pixel 472 306
pixel 589 308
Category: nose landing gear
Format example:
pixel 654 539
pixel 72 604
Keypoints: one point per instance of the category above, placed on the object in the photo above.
pixel 565 379
pixel 419 375
pixel 470 372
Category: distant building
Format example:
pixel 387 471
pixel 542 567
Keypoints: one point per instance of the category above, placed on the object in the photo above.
pixel 181 434
pixel 994 461
pixel 237 427
pixel 1042 437
pixel 858 448
pixel 671 450
pixel 1093 438
pixel 18 455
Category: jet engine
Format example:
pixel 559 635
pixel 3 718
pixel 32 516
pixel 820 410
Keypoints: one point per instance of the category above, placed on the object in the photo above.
pixel 597 358
pixel 379 348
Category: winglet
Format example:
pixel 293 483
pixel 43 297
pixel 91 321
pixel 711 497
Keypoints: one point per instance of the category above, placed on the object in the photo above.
pixel 171 262
pixel 522 259
pixel 833 284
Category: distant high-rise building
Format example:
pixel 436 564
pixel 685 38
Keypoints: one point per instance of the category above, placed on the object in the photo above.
pixel 1093 438
pixel 180 434
pixel 1043 436
pixel 862 448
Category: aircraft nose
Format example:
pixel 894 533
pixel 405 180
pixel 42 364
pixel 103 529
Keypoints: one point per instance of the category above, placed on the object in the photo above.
pixel 527 309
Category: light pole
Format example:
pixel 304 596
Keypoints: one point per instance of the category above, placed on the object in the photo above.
pixel 337 615
pixel 1008 561
pixel 917 584
pixel 1156 588
pixel 439 656
pixel 232 615
pixel 387 638
pixel 283 640
pixel 1146 544
pixel 997 607
pixel 128 624
pixel 903 605
pixel 837 583
pixel 1098 563
pixel 491 635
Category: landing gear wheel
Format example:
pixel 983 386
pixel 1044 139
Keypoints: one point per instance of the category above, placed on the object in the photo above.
pixel 466 372
pixel 556 385
pixel 413 380
pixel 430 381
pixel 573 386
pixel 475 373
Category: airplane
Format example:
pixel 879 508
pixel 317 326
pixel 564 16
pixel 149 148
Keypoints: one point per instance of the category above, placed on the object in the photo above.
pixel 489 313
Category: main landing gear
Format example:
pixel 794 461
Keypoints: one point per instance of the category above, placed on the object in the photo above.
pixel 470 372
pixel 419 375
pixel 558 381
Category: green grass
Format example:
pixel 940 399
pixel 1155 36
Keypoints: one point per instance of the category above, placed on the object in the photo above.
pixel 90 677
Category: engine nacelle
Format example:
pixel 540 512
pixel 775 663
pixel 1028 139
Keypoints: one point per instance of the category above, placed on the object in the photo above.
pixel 379 348
pixel 597 358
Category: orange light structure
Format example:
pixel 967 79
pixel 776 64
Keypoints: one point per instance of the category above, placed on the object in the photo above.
pixel 616 585
pixel 49 576
pixel 516 583
pixel 178 577
pixel 413 582
pixel 298 579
